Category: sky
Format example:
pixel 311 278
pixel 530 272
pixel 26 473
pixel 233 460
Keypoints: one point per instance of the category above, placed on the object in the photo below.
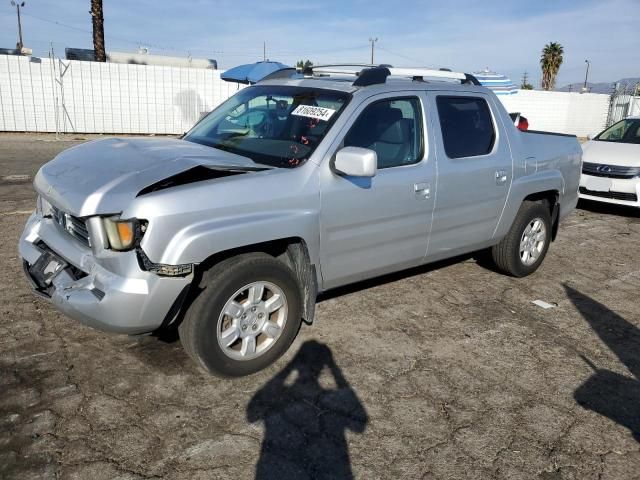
pixel 505 36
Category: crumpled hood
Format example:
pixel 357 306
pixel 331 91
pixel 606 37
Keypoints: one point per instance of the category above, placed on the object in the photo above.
pixel 104 176
pixel 611 153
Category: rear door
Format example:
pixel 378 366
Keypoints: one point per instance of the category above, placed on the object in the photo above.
pixel 371 226
pixel 474 172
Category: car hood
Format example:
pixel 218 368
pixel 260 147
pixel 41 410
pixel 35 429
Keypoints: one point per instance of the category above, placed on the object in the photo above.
pixel 611 153
pixel 104 176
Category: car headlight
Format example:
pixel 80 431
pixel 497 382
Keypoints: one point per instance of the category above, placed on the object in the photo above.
pixel 122 234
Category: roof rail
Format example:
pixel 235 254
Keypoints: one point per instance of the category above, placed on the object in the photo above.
pixel 369 74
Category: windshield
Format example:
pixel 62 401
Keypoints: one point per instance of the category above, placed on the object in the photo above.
pixel 625 131
pixel 273 125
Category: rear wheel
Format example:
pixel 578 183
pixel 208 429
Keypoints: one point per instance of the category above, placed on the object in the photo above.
pixel 522 250
pixel 246 316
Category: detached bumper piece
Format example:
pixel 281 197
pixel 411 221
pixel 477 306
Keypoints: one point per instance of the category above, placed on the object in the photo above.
pixel 45 268
pixel 41 273
pixel 163 269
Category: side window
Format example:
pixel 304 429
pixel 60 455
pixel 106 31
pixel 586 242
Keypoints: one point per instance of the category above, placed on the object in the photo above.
pixel 392 128
pixel 467 127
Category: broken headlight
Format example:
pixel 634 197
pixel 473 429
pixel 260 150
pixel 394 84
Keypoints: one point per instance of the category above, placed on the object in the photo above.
pixel 122 234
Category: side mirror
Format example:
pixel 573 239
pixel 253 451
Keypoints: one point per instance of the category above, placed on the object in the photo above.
pixel 356 162
pixel 590 136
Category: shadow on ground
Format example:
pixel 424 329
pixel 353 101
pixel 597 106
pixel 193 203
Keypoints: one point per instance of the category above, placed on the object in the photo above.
pixel 307 409
pixel 609 208
pixel 608 393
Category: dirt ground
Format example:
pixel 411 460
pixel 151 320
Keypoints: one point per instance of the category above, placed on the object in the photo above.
pixel 444 372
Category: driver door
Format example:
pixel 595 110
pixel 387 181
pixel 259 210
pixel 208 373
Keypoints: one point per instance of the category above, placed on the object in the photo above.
pixel 372 226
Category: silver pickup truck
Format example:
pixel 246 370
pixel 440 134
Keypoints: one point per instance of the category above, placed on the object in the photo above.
pixel 296 185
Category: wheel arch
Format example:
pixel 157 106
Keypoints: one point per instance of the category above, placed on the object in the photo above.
pixel 546 185
pixel 293 251
pixel 551 198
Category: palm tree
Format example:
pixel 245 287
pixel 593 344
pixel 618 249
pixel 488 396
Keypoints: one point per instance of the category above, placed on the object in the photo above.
pixel 550 62
pixel 98 30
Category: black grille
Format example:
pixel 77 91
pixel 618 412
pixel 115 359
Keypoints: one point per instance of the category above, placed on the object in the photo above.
pixel 74 226
pixel 610 171
pixel 631 197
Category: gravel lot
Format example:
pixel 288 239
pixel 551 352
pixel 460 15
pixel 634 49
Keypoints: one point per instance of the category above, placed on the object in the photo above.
pixel 443 372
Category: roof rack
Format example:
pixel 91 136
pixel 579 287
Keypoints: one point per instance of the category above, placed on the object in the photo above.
pixel 368 74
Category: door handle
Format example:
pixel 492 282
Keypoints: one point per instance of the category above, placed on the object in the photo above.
pixel 501 177
pixel 422 190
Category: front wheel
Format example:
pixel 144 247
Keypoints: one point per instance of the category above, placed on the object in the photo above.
pixel 522 250
pixel 246 316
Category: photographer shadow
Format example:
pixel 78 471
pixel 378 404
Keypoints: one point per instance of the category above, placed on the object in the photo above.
pixel 306 415
pixel 609 393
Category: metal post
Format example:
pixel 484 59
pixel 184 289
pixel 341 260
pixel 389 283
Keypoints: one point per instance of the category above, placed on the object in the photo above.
pixel 264 51
pixel 373 41
pixel 52 67
pixel 586 76
pixel 18 5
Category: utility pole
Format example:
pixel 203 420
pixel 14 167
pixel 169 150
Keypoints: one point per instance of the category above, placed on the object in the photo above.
pixel 98 30
pixel 264 51
pixel 19 45
pixel 373 41
pixel 586 75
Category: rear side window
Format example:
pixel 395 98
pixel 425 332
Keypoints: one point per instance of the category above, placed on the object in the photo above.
pixel 467 127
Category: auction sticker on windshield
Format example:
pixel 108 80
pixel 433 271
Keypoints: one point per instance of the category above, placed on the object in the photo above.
pixel 319 113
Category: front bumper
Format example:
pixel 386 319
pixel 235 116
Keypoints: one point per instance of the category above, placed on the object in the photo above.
pixel 131 301
pixel 618 191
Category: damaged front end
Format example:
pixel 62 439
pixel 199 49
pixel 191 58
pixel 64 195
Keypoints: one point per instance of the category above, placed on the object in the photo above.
pixel 83 251
pixel 106 290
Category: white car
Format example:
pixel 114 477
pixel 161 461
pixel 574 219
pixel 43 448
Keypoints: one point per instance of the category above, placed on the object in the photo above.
pixel 611 165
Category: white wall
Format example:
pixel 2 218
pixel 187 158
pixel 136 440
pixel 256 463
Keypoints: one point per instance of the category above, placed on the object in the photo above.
pixel 562 112
pixel 105 97
pixel 123 98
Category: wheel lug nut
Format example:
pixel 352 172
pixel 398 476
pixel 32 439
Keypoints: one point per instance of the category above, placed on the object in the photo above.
pixel 254 327
pixel 244 327
pixel 260 315
pixel 244 316
pixel 253 309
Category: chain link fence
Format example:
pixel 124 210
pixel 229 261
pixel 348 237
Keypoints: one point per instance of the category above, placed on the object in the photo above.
pixel 624 102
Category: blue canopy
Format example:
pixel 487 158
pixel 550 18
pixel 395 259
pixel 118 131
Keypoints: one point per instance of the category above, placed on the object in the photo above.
pixel 252 72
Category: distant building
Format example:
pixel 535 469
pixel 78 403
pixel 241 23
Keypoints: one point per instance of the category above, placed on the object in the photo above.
pixel 498 83
pixel 14 51
pixel 142 57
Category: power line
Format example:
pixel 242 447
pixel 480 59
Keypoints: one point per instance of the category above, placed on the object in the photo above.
pixel 239 53
pixel 400 55
pixel 115 37
pixel 56 23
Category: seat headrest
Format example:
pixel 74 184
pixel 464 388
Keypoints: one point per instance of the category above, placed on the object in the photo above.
pixel 394 129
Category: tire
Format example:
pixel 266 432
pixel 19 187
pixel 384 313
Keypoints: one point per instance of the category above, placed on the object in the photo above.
pixel 225 304
pixel 509 255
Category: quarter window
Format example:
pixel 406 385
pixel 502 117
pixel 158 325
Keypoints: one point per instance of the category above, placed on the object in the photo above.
pixel 392 128
pixel 467 127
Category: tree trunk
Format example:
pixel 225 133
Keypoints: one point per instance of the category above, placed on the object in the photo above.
pixel 98 30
